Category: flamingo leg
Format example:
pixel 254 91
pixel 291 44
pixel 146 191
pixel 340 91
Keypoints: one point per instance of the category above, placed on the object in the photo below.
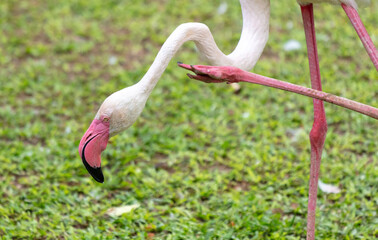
pixel 362 33
pixel 229 74
pixel 319 127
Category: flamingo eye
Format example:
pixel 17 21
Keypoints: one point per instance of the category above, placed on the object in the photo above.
pixel 106 119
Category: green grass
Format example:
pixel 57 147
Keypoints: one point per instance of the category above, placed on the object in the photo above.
pixel 202 162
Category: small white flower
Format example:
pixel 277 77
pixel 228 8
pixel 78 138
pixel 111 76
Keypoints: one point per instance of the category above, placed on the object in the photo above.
pixel 112 60
pixel 67 130
pixel 222 8
pixel 292 45
pixel 289 25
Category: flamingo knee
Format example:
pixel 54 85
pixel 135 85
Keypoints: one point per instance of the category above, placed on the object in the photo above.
pixel 318 134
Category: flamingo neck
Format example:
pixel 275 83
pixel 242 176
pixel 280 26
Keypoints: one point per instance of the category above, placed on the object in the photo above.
pixel 253 38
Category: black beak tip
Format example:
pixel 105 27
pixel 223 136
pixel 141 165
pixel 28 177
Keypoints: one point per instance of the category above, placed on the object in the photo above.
pixel 96 173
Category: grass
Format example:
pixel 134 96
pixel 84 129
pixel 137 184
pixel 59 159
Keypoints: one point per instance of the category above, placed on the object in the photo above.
pixel 202 162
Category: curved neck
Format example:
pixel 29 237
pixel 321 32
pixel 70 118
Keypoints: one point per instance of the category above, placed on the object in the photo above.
pixel 255 33
pixel 254 36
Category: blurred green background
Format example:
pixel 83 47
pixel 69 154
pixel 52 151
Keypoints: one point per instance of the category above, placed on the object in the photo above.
pixel 202 162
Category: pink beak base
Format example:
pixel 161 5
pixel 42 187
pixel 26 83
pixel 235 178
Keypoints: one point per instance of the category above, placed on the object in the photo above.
pixel 91 145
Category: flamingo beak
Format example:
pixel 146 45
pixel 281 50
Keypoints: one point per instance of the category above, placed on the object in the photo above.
pixel 91 145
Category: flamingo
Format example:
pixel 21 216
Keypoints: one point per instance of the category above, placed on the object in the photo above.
pixel 121 109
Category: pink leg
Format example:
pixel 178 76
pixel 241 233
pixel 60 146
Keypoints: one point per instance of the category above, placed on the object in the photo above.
pixel 362 33
pixel 221 74
pixel 319 128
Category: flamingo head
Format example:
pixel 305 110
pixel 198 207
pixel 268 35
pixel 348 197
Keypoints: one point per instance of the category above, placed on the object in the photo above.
pixel 118 112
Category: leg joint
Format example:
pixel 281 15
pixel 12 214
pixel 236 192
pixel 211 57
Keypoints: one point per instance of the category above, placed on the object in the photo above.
pixel 318 133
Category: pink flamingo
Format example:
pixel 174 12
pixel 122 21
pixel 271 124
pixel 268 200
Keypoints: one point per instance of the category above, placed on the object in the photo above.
pixel 121 109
